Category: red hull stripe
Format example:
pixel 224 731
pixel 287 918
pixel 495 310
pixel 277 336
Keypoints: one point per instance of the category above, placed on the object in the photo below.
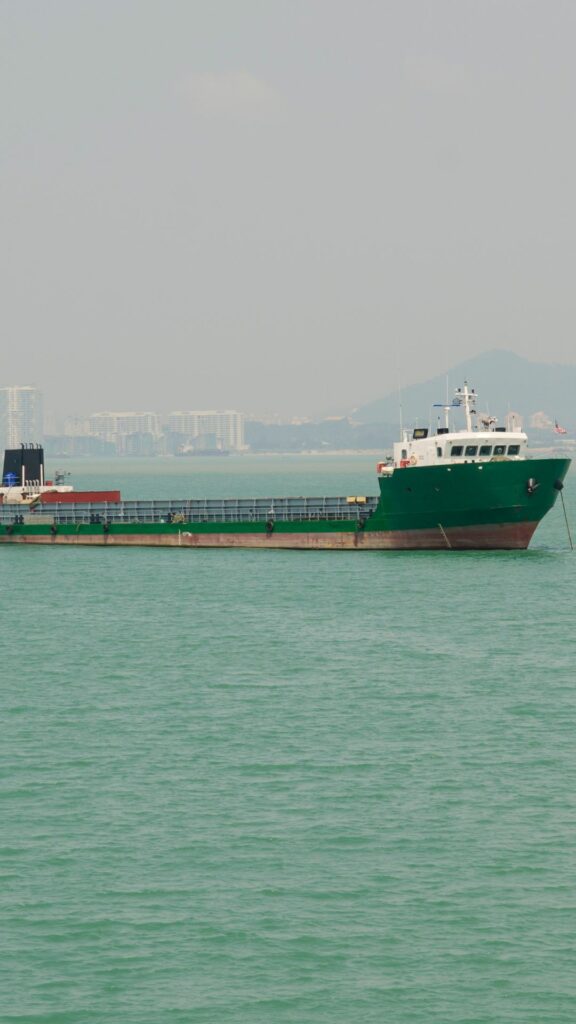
pixel 72 497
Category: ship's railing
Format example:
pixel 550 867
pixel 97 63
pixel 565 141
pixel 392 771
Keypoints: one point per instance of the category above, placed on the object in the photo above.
pixel 197 510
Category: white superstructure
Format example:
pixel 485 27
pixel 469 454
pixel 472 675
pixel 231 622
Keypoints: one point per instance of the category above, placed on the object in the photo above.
pixel 481 440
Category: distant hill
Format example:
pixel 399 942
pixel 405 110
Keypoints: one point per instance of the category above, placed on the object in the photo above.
pixel 503 382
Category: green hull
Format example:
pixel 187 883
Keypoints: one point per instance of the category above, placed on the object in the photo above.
pixel 468 494
pixel 468 505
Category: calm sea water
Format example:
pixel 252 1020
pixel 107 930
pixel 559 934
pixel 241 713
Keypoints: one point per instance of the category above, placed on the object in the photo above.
pixel 272 787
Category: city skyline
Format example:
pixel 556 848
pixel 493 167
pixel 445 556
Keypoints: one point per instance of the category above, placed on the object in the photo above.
pixel 22 423
pixel 542 396
pixel 55 419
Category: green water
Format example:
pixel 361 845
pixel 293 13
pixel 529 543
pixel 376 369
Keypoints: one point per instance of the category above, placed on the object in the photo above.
pixel 267 787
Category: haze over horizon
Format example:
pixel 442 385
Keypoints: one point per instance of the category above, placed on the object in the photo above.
pixel 284 207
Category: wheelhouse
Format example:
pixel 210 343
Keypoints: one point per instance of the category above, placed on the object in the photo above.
pixel 480 441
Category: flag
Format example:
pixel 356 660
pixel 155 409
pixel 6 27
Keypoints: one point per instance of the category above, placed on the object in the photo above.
pixel 558 429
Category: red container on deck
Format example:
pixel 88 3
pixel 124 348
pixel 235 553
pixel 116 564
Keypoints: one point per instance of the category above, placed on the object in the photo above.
pixel 75 497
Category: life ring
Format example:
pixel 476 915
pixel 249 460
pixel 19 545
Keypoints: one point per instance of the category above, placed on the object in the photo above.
pixel 413 460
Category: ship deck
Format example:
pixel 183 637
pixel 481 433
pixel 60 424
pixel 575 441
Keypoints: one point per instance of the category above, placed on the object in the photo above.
pixel 195 510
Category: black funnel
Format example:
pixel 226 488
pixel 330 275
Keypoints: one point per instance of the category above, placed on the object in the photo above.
pixel 24 465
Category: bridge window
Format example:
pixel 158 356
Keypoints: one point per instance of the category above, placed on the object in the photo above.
pixel 471 449
pixel 499 449
pixel 439 453
pixel 485 449
pixel 513 449
pixel 456 449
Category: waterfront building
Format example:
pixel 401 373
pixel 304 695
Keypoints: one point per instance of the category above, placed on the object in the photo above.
pixel 207 428
pixel 114 426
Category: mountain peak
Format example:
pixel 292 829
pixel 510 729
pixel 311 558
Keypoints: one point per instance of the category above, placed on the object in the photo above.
pixel 502 380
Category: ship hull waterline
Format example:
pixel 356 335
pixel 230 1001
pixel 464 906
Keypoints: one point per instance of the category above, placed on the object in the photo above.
pixel 503 536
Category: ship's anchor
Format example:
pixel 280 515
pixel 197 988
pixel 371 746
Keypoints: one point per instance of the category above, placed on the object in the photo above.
pixel 532 485
pixel 559 486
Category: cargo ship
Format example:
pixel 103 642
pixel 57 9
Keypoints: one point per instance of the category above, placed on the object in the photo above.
pixel 471 488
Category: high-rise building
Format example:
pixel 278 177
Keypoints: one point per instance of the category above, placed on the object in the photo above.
pixel 112 426
pixel 21 418
pixel 226 428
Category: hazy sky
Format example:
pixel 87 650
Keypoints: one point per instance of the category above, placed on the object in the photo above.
pixel 281 204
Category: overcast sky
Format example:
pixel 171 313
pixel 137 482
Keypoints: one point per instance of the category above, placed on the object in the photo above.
pixel 281 204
